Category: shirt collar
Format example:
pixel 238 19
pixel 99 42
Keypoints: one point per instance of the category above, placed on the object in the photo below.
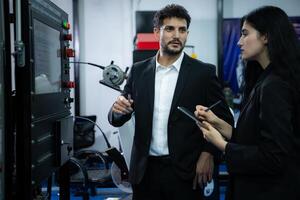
pixel 176 64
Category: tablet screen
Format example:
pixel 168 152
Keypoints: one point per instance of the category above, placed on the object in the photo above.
pixel 189 114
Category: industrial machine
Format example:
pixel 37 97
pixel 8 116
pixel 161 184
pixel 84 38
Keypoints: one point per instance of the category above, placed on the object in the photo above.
pixel 44 125
pixel 6 109
pixel 2 158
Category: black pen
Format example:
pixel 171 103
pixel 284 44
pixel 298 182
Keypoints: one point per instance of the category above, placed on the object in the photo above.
pixel 129 97
pixel 210 107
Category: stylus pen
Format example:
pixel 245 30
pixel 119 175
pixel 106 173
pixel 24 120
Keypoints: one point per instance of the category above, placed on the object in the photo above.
pixel 210 107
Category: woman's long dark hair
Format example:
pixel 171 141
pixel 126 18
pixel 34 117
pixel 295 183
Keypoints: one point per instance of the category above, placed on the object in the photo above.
pixel 283 47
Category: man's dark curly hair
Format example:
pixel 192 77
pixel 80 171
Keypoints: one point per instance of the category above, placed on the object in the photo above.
pixel 172 10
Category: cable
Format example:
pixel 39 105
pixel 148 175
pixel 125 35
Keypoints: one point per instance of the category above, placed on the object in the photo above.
pixel 88 63
pixel 87 119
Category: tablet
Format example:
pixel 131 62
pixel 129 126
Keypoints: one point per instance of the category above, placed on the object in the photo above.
pixel 189 114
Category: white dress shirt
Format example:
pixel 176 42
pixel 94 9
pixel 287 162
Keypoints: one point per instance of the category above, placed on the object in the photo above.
pixel 165 83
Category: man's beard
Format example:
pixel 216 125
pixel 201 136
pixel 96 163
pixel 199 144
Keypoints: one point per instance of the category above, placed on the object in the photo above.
pixel 172 52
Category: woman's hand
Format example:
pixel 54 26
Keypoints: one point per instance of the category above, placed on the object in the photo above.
pixel 203 115
pixel 212 135
pixel 222 127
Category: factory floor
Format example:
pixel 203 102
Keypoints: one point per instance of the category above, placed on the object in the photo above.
pixel 109 194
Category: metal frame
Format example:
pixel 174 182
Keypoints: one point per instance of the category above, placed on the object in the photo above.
pixel 8 108
pixel 23 119
pixel 220 38
pixel 76 59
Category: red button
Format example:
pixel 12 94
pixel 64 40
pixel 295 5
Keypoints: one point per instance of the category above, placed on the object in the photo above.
pixel 70 53
pixel 68 37
pixel 69 84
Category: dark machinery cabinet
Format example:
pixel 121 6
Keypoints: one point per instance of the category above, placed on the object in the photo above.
pixel 44 125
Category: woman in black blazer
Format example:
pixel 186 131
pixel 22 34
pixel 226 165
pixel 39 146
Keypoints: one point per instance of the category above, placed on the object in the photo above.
pixel 263 154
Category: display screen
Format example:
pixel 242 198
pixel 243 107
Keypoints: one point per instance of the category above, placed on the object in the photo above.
pixel 47 58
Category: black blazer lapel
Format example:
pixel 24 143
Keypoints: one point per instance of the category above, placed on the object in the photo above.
pixel 256 86
pixel 252 94
pixel 182 78
pixel 149 78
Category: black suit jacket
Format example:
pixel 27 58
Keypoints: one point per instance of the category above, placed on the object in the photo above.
pixel 263 160
pixel 196 84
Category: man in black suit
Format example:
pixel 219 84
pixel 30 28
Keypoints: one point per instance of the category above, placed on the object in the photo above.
pixel 169 154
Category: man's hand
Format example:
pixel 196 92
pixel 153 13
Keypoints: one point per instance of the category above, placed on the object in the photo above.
pixel 204 170
pixel 123 105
